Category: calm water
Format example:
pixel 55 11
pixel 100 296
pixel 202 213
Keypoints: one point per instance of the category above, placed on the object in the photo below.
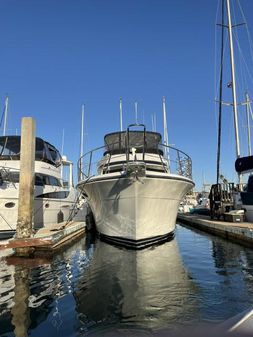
pixel 93 288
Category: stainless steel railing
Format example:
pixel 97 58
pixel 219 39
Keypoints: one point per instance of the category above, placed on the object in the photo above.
pixel 172 159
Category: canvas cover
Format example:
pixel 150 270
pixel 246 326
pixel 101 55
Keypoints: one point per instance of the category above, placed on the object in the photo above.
pixel 149 141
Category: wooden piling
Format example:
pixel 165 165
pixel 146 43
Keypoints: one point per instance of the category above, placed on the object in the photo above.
pixel 26 180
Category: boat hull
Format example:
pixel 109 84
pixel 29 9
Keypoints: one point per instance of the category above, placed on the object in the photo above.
pixel 136 210
pixel 46 211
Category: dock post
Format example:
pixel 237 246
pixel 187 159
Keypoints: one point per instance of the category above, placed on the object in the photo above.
pixel 21 311
pixel 26 180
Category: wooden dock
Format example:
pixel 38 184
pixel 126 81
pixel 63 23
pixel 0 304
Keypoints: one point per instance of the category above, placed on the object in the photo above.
pixel 46 240
pixel 241 232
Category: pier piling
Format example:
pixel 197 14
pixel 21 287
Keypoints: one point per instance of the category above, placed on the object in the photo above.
pixel 26 180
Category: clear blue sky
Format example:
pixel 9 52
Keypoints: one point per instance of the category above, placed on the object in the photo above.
pixel 57 54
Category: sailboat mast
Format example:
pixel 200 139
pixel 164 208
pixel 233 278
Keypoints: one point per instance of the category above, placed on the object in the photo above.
pixel 81 142
pixel 62 142
pixel 220 95
pixel 136 112
pixel 248 123
pixel 121 114
pixel 82 122
pixel 165 127
pixel 5 114
pixel 233 81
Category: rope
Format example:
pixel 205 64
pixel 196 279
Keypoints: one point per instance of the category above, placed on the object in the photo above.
pixel 247 29
pixel 71 216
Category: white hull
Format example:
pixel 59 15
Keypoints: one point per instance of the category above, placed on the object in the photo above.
pixel 134 195
pixel 248 212
pixel 47 210
pixel 136 209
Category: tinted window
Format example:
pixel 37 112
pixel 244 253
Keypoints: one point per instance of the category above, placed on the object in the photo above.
pixel 55 155
pixel 49 180
pixel 54 195
pixel 9 146
pixel 12 177
pixel 54 181
pixel 39 179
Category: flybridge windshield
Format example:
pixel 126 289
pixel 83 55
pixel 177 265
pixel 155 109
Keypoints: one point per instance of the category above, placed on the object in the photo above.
pixel 149 141
pixel 10 150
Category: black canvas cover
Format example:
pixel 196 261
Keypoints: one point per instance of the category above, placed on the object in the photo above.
pixel 44 151
pixel 117 142
pixel 244 164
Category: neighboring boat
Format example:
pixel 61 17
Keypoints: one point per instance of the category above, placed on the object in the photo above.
pixel 245 165
pixel 229 196
pixel 138 185
pixel 55 200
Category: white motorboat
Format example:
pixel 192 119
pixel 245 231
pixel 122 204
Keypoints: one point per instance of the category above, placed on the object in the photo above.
pixel 135 192
pixel 55 201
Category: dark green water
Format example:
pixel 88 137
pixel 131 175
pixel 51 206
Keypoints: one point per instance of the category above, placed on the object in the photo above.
pixel 95 289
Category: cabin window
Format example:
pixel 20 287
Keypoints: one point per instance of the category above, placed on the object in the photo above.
pixel 9 147
pixel 54 195
pixel 40 179
pixel 13 177
pixel 47 180
pixel 54 181
pixel 55 155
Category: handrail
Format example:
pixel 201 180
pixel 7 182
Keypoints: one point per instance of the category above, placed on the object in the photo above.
pixel 182 161
pixel 144 140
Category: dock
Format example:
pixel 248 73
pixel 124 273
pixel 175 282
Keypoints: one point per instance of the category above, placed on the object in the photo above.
pixel 47 240
pixel 240 232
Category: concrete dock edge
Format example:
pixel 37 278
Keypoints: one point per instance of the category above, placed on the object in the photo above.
pixel 239 232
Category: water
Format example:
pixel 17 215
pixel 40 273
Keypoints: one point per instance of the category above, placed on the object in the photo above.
pixel 94 288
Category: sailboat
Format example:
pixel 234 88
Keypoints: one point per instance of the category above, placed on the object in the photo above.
pixel 229 196
pixel 135 186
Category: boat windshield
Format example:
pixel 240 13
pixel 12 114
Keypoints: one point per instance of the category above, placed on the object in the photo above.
pixel 10 150
pixel 117 142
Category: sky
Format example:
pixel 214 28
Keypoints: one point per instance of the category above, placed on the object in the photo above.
pixel 59 54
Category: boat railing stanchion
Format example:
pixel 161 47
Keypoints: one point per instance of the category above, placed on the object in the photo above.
pixel 144 143
pixel 179 163
pixel 90 163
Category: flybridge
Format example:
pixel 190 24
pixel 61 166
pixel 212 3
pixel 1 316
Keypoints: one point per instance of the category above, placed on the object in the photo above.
pixel 44 151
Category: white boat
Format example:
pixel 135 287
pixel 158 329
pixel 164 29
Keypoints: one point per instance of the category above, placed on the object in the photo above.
pixel 55 200
pixel 245 165
pixel 135 192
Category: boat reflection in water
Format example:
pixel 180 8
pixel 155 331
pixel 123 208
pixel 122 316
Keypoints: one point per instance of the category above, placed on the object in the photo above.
pixel 148 288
